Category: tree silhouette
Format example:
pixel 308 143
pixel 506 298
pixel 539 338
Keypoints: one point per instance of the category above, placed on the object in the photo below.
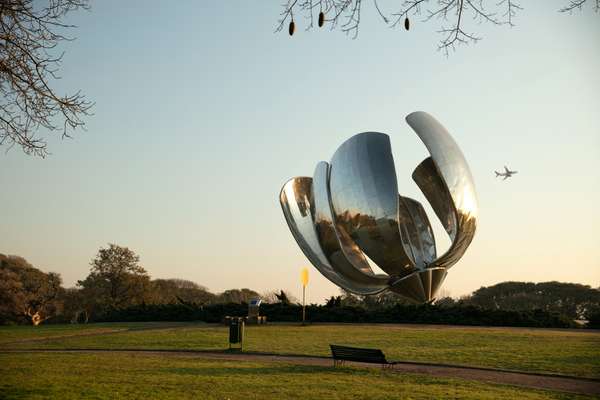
pixel 30 32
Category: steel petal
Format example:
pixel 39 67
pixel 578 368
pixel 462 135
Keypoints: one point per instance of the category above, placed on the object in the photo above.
pixel 416 232
pixel 453 171
pixel 296 202
pixel 364 198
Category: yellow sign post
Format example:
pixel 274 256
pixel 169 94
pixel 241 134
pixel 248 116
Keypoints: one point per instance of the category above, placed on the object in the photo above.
pixel 304 280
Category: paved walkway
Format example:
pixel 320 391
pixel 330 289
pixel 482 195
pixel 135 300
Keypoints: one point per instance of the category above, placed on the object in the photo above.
pixel 529 380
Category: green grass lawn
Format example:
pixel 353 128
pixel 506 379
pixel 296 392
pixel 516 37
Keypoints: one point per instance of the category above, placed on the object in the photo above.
pixel 23 333
pixel 571 352
pixel 147 376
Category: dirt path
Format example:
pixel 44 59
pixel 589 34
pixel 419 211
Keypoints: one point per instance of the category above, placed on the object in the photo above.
pixel 530 380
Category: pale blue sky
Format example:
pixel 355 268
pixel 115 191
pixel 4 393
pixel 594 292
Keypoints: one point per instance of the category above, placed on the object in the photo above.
pixel 202 113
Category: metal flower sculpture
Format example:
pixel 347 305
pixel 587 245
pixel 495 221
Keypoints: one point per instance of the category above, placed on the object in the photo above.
pixel 350 210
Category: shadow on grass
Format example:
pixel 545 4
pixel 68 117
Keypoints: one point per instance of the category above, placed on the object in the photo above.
pixel 263 371
pixel 8 392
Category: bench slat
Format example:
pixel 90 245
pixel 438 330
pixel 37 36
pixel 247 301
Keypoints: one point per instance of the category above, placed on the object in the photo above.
pixel 374 356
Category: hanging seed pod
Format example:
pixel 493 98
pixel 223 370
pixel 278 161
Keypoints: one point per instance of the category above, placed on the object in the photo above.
pixel 292 28
pixel 321 19
pixel 406 24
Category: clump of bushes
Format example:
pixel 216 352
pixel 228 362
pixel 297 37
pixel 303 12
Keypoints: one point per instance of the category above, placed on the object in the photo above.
pixel 399 313
pixel 594 320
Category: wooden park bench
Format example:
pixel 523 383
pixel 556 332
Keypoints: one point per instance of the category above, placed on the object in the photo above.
pixel 342 354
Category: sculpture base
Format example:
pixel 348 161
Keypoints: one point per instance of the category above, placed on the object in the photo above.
pixel 420 286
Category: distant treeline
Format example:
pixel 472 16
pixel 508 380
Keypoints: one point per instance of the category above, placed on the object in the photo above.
pixel 117 288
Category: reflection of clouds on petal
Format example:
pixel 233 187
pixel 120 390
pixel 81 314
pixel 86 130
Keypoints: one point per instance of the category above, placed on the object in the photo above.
pixel 351 210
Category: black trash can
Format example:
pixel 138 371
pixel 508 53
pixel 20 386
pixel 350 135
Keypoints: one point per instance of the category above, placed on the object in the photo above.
pixel 236 332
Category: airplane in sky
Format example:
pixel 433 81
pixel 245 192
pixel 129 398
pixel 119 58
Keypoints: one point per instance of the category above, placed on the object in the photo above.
pixel 506 174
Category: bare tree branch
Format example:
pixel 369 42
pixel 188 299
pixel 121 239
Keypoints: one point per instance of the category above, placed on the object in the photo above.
pixel 452 14
pixel 578 4
pixel 29 35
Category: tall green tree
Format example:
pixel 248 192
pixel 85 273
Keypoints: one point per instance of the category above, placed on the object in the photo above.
pixel 116 278
pixel 26 292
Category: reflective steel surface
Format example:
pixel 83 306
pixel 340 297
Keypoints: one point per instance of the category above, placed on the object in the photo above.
pixel 420 286
pixel 295 199
pixel 454 174
pixel 351 208
pixel 416 232
pixel 364 198
pixel 342 253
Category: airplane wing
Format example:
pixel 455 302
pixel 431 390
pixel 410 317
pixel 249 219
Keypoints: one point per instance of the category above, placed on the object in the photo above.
pixel 505 176
pixel 506 169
